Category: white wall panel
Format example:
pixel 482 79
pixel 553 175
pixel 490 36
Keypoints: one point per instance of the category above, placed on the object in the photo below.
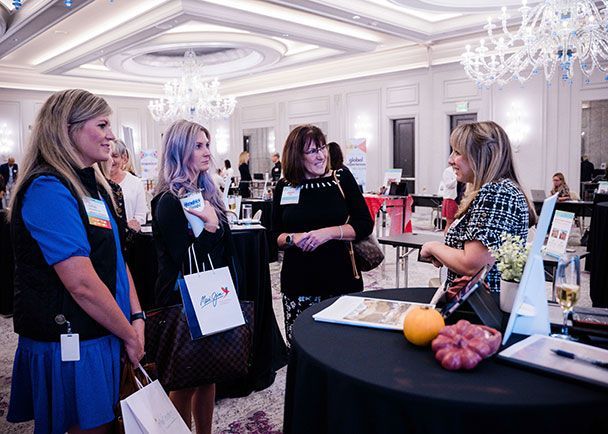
pixel 402 95
pixel 309 107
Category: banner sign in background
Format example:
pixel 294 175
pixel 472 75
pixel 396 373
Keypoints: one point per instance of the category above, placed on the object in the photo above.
pixel 356 159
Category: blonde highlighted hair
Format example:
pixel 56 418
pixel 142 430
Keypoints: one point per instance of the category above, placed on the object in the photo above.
pixel 487 149
pixel 52 145
pixel 177 175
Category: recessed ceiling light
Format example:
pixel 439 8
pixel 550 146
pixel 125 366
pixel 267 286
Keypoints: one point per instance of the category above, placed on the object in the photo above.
pixel 15 39
pixel 356 17
pixel 374 23
pixel 285 35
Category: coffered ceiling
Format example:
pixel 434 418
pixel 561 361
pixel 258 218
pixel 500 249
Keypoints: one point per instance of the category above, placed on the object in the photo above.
pixel 131 47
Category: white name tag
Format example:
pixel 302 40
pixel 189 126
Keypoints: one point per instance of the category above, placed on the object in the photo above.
pixel 97 212
pixel 291 196
pixel 70 347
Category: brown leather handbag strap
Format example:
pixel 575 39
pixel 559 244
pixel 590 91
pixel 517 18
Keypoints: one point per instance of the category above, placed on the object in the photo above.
pixel 351 250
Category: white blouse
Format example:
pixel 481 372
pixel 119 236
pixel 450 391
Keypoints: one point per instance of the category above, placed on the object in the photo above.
pixel 135 198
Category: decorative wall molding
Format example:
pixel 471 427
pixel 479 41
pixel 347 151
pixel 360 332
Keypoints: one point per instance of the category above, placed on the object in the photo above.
pixel 319 106
pixel 459 89
pixel 257 113
pixel 398 96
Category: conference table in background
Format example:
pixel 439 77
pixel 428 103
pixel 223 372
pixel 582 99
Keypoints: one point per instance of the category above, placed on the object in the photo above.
pixel 399 209
pixel 343 379
pixel 265 205
pixel 269 350
pixel 598 262
pixel 429 201
pixel 580 208
pixel 410 243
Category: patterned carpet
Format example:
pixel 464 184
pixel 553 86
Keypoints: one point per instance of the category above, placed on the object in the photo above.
pixel 261 412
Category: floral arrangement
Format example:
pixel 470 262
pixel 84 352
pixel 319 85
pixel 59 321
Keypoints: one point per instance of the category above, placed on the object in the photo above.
pixel 511 257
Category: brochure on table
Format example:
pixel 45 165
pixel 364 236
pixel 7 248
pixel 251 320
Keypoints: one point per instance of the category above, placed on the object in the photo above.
pixel 391 175
pixel 530 313
pixel 368 312
pixel 559 233
pixel 537 351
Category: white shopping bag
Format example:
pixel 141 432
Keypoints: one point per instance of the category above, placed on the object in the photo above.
pixel 149 411
pixel 210 301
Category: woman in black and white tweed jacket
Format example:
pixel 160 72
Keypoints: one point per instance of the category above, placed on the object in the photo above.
pixel 494 203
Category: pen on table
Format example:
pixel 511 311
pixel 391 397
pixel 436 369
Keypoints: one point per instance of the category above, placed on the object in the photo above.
pixel 573 356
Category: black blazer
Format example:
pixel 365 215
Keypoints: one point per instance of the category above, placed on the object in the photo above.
pixel 4 171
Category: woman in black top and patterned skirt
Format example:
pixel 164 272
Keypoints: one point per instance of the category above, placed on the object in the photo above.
pixel 310 216
pixel 493 204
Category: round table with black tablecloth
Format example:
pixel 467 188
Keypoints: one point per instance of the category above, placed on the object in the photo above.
pixel 598 267
pixel 269 351
pixel 265 205
pixel 345 379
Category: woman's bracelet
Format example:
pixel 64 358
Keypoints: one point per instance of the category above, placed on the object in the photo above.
pixel 341 232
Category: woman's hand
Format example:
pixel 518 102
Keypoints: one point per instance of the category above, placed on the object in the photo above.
pixel 314 239
pixel 426 252
pixel 134 224
pixel 134 348
pixel 139 325
pixel 207 215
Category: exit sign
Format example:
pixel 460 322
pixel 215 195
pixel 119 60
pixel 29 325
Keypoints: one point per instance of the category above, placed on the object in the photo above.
pixel 462 107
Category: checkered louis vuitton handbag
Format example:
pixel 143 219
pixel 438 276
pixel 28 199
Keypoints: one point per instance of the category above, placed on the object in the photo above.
pixel 183 362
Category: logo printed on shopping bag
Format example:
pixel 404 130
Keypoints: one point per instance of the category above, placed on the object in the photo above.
pixel 214 297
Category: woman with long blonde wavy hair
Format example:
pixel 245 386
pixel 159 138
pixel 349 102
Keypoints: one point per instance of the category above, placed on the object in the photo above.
pixel 70 276
pixel 494 203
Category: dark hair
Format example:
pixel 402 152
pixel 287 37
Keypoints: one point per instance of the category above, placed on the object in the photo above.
pixel 293 152
pixel 227 164
pixel 336 159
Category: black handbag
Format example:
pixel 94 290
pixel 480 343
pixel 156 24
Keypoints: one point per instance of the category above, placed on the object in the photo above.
pixel 183 363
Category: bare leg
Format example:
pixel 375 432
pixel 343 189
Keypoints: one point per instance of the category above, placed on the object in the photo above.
pixel 103 429
pixel 203 402
pixel 182 400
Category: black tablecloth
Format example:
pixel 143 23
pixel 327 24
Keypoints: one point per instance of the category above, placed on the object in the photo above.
pixel 269 351
pixel 598 266
pixel 345 379
pixel 6 267
pixel 266 207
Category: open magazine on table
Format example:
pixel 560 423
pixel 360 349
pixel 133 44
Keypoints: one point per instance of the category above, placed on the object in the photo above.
pixel 368 312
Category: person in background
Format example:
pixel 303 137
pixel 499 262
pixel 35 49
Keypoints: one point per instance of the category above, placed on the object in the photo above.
pixel 9 172
pixel 447 190
pixel 560 187
pixel 2 191
pixel 494 203
pixel 245 174
pixel 336 158
pixel 132 187
pixel 275 172
pixel 310 221
pixel 218 180
pixel 184 168
pixel 587 169
pixel 69 267
pixel 228 171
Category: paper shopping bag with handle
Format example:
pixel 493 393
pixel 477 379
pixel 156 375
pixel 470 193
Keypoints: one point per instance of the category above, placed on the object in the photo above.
pixel 149 411
pixel 210 301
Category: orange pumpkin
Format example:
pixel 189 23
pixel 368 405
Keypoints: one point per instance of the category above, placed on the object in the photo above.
pixel 422 325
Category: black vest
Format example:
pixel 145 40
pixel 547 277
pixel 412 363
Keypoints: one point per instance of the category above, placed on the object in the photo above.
pixel 39 293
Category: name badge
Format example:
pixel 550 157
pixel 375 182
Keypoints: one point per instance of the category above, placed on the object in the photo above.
pixel 97 213
pixel 291 196
pixel 70 347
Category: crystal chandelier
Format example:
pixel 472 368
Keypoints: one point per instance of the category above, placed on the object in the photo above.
pixel 555 34
pixel 190 97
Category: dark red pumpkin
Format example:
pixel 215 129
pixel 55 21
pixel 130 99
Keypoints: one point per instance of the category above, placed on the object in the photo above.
pixel 463 345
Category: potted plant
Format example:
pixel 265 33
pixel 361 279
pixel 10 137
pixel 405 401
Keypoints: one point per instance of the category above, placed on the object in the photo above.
pixel 510 260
